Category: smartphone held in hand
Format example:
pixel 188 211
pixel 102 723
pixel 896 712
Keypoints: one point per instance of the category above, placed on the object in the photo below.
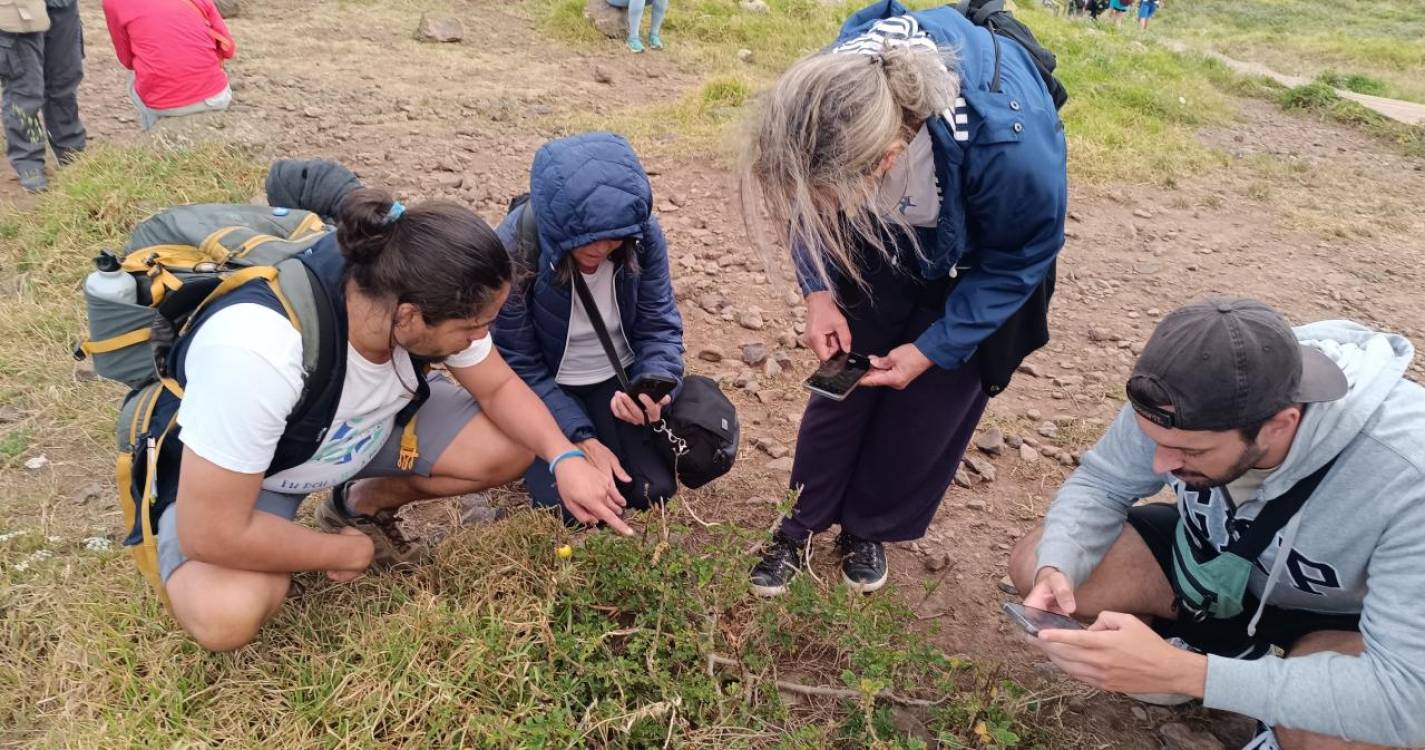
pixel 1034 620
pixel 838 376
pixel 655 387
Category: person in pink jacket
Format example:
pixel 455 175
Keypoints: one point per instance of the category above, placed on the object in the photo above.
pixel 176 50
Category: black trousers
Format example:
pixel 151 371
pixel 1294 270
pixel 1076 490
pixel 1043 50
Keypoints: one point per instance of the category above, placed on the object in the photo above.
pixel 653 480
pixel 879 462
pixel 40 72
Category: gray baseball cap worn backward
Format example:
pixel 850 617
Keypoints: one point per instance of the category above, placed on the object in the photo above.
pixel 1229 362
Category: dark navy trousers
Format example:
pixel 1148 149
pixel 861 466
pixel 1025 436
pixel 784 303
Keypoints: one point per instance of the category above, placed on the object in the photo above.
pixel 653 481
pixel 879 462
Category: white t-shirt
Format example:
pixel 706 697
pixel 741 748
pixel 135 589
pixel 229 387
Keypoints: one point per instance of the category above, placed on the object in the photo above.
pixel 244 371
pixel 909 189
pixel 584 360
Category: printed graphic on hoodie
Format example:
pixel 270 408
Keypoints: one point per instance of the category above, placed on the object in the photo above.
pixel 1213 522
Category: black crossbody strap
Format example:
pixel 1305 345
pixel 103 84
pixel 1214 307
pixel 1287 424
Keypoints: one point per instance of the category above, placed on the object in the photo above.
pixel 1276 515
pixel 596 319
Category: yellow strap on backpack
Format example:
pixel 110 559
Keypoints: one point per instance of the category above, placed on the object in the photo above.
pixel 410 446
pixel 115 343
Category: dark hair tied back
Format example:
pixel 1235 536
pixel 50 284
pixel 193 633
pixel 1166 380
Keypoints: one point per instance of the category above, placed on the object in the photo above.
pixel 439 256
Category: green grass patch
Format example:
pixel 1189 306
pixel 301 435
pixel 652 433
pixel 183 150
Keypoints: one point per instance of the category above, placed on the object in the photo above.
pixel 1357 82
pixel 13 444
pixel 1320 98
pixel 1131 116
pixel 1133 109
pixel 498 643
pixel 712 31
pixel 45 254
pixel 1379 40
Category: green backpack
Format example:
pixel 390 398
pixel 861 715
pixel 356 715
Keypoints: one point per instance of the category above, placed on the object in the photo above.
pixel 180 260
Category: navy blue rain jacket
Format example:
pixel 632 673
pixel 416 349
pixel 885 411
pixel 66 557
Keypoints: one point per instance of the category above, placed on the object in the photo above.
pixel 583 189
pixel 1003 183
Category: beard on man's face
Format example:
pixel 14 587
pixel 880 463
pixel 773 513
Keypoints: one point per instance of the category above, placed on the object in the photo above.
pixel 1249 457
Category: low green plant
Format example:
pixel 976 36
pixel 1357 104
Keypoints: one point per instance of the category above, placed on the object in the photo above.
pixel 1357 82
pixel 497 643
pixel 1320 98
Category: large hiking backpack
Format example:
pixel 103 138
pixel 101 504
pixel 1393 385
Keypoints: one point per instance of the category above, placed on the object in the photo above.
pixel 992 15
pixel 182 259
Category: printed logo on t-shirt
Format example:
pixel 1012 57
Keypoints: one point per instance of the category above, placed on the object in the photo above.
pixel 352 443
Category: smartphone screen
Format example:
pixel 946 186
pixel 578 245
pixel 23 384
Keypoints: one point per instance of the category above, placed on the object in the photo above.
pixel 1034 620
pixel 837 376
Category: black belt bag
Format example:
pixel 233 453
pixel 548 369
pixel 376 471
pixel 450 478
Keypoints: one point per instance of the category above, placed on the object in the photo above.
pixel 1214 585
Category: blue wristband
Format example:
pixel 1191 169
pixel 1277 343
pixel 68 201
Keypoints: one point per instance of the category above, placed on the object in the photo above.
pixel 576 453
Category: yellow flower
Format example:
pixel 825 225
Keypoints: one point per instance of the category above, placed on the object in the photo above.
pixel 565 552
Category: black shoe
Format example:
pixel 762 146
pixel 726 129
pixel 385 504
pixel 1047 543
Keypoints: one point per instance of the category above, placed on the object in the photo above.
pixel 781 561
pixel 863 563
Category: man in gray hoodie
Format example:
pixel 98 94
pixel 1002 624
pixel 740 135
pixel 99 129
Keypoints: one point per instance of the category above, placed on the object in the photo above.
pixel 1298 463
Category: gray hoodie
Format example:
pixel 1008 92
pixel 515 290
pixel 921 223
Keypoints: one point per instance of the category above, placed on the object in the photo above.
pixel 1358 545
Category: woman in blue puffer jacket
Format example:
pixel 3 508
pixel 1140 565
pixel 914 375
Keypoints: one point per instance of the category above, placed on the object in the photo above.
pixel 592 204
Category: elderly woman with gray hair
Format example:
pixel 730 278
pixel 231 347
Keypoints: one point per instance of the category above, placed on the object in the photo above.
pixel 916 169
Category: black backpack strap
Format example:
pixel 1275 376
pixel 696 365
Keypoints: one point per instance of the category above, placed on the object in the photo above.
pixel 1276 515
pixel 980 14
pixel 320 337
pixel 526 234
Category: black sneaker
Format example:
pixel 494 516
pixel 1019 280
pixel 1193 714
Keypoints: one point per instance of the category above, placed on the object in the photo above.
pixel 863 563
pixel 781 561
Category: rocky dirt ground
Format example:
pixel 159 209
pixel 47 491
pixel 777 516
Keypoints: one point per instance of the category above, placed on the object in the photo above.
pixel 1322 221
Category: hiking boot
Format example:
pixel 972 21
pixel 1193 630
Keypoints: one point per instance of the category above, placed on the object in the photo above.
pixel 863 563
pixel 392 546
pixel 655 41
pixel 781 561
pixel 34 181
pixel 635 45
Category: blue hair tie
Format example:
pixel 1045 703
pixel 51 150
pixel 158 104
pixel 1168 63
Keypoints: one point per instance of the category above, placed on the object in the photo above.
pixel 395 212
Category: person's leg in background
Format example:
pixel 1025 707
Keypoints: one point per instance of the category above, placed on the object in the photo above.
pixel 147 117
pixel 22 74
pixel 635 19
pixel 655 26
pixel 64 68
